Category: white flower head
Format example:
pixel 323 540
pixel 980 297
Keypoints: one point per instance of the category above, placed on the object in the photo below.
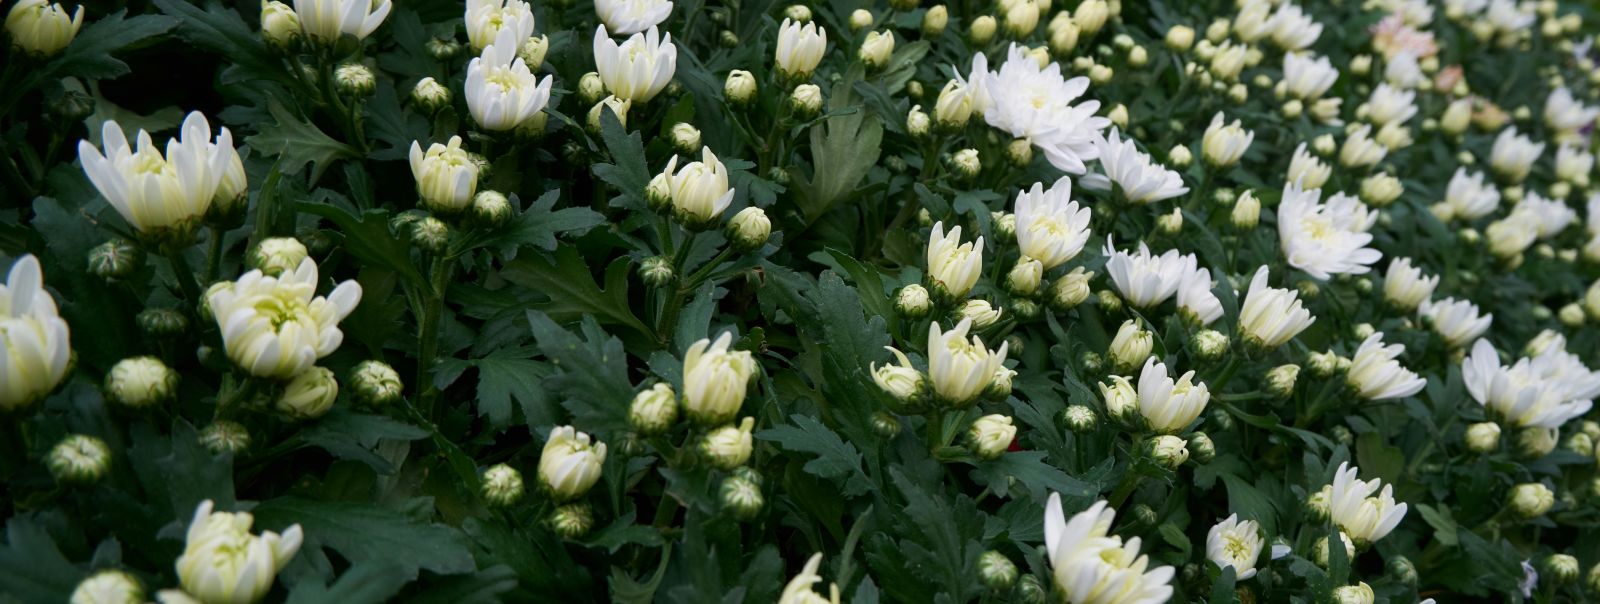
pixel 1225 143
pixel 1051 227
pixel 42 28
pixel 960 369
pixel 277 326
pixel 1529 393
pixel 800 48
pixel 326 20
pixel 1360 150
pixel 1390 105
pixel 798 590
pixel 699 190
pixel 1404 71
pixel 1405 287
pixel 1292 29
pixel 954 265
pixel 1132 171
pixel 1376 375
pixel 1270 317
pixel 571 462
pixel 716 379
pixel 639 68
pixel 1551 215
pixel 1565 114
pixel 1514 154
pixel 1307 76
pixel 628 17
pixel 501 91
pixel 1090 565
pixel 1457 321
pixel 1169 406
pixel 1196 303
pixel 1325 239
pixel 1573 164
pixel 485 19
pixel 1469 197
pixel 1306 170
pixel 1235 543
pixel 1360 514
pixel 1146 280
pixel 223 562
pixel 153 191
pixel 446 175
pixel 35 343
pixel 1035 102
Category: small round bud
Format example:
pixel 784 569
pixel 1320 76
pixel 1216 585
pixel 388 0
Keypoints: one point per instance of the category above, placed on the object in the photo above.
pixel 1030 590
pixel 990 436
pixel 1130 347
pixel 1201 448
pixel 914 90
pixel 1323 364
pixel 430 234
pixel 1108 301
pixel 1531 499
pixel 982 30
pixel 502 485
pixel 1281 379
pixel 1321 549
pixel 591 88
pixel 141 382
pixel 1180 156
pixel 1019 153
pixel 617 107
pixel 934 21
pixel 728 39
pixel 1341 435
pixel 1209 344
pixel 72 107
pixel 749 229
pixel 917 122
pixel 1380 189
pixel 913 301
pixel 996 571
pixel 885 424
pixel 1593 579
pixel 860 19
pixel 729 446
pixel 1246 212
pixel 1180 38
pixel 1070 290
pixel 533 51
pixel 79 459
pixel 741 497
pixel 375 383
pixel 1091 362
pixel 277 255
pixel 1171 223
pixel 965 164
pixel 653 410
pixel 1166 450
pixel 442 49
pixel 1005 226
pixel 162 322
pixel 1534 443
pixel 1571 315
pixel 685 139
pixel 109 587
pixel 1324 145
pixel 1561 568
pixel 114 259
pixel 806 100
pixel 740 87
pixel 430 96
pixel 225 436
pixel 1080 419
pixel 1318 505
pixel 980 312
pixel 572 520
pixel 1401 568
pixel 1359 593
pixel 1138 57
pixel 1023 280
pixel 876 50
pixel 309 395
pixel 491 208
pixel 799 13
pixel 355 79
pixel 657 271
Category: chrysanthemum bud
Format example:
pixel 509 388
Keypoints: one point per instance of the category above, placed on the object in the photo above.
pixel 1100 74
pixel 996 571
pixel 654 410
pixel 1080 419
pixel 162 322
pixel 141 382
pixel 990 436
pixel 965 164
pixel 1108 301
pixel 430 233
pixel 1201 447
pixel 572 520
pixel 798 13
pixel 225 436
pixel 591 88
pixel 1179 38
pixel 1535 442
pixel 953 108
pixel 1323 364
pixel 913 301
pixel 1318 505
pixel 1531 499
pixel 1401 568
pixel 79 459
pixel 1166 450
pixel 1171 223
pixel 1005 226
pixel 491 208
pixel 1180 156
pixel 442 49
pixel 430 96
pixel 740 87
pixel 109 587
pixel 1341 435
pixel 1561 568
pixel 741 497
pixel 280 25
pixel 277 255
pixel 1593 578
pixel 885 424
pixel 982 30
pixel 1324 145
pixel 1130 347
pixel 1023 280
pixel 1070 290
pixel 1359 593
pixel 502 485
pixel 309 395
pixel 917 122
pixel 1019 153
pixel 533 51
pixel 1091 362
pixel 806 100
pixel 980 312
pixel 914 90
pixel 617 107
pixel 114 259
pixel 375 383
pixel 686 141
pixel 749 230
pixel 1281 379
pixel 355 79
pixel 1571 315
pixel 656 271
pixel 1209 344
pixel 729 446
pixel 876 50
pixel 860 19
pixel 934 21
pixel 1063 39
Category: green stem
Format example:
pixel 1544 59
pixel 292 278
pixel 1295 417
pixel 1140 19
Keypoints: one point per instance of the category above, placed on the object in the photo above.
pixel 186 278
pixel 428 335
pixel 693 282
pixel 213 254
pixel 1124 489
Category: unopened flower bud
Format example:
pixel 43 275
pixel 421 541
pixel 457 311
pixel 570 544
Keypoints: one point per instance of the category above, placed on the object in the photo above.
pixel 1064 39
pixel 1209 344
pixel 1070 290
pixel 1571 315
pixel 685 140
pixel 741 497
pixel 1166 450
pixel 430 233
pixel 613 105
pixel 443 50
pixel 1180 156
pixel 1201 448
pixel 572 520
pixel 309 395
pixel 798 13
pixel 1359 593
pixel 656 271
pixel 982 30
pixel 1019 153
pixel 1535 442
pixel 980 312
pixel 990 436
pixel 653 410
pixel 1318 505
pixel 806 100
pixel 749 229
pixel 277 255
pixel 1180 38
pixel 375 383
pixel 79 459
pixel 1323 364
pixel 533 50
pixel 1023 280
pixel 913 301
pixel 1080 419
pixel 1246 212
pixel 1108 301
pixel 225 436
pixel 430 96
pixel 355 79
pixel 860 19
pixel 729 446
pixel 965 164
pixel 1005 226
pixel 1091 362
pixel 1401 568
pixel 141 382
pixel 917 122
pixel 995 570
pixel 162 322
pixel 114 259
pixel 1593 578
pixel 934 21
pixel 885 424
pixel 1130 347
pixel 280 25
pixel 591 88
pixel 876 50
pixel 109 587
pixel 1171 223
pixel 740 87
pixel 1561 568
pixel 1531 499
pixel 1281 379
pixel 491 208
pixel 502 485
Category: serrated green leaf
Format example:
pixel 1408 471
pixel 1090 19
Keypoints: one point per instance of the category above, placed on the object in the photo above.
pixel 355 436
pixel 32 568
pixel 367 237
pixel 1444 526
pixel 365 532
pixel 539 226
pixel 843 149
pixel 1031 470
pixel 571 290
pixel 221 30
pixel 90 53
pixel 591 372
pixel 627 170
pixel 366 582
pixel 504 377
pixel 836 460
pixel 298 142
pixel 484 586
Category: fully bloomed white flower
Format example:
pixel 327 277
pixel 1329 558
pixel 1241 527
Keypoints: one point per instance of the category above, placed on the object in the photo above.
pixel 35 344
pixel 1223 144
pixel 1145 280
pixel 1564 113
pixel 1237 544
pixel 1391 105
pixel 1514 154
pixel 154 191
pixel 1270 316
pixel 1530 392
pixel 571 462
pixel 1169 406
pixel 1469 197
pixel 1092 566
pixel 1376 375
pixel 1552 215
pixel 1324 239
pixel 222 563
pixel 638 69
pixel 1513 234
pixel 628 17
pixel 1292 29
pixel 1196 303
pixel 1306 170
pixel 1035 102
pixel 1307 76
pixel 1509 17
pixel 1457 321
pixel 485 19
pixel 1567 371
pixel 501 91
pixel 1051 227
pixel 1362 516
pixel 277 326
pixel 1404 70
pixel 960 369
pixel 1140 179
pixel 954 265
pixel 326 20
pixel 800 48
pixel 1405 287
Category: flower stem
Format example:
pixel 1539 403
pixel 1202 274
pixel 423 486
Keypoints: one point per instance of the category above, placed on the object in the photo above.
pixel 428 335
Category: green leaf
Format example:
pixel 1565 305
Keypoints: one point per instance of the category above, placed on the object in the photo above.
pixel 366 582
pixel 538 226
pixel 483 586
pixel 624 531
pixel 1444 526
pixel 572 292
pixel 298 142
pixel 505 375
pixel 221 30
pixel 836 459
pixel 355 436
pixel 1174 536
pixel 1222 588
pixel 1378 458
pixel 365 532
pixel 32 568
pixel 90 54
pixel 368 238
pixel 1030 469
pixel 627 170
pixel 591 372
pixel 1248 502
pixel 625 590
pixel 843 149
pixel 694 322
pixel 903 65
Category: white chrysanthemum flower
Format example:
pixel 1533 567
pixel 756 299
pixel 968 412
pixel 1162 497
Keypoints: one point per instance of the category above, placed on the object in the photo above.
pixel 1457 321
pixel 446 175
pixel 1404 71
pixel 1307 76
pixel 1237 544
pixel 1051 227
pixel 1223 143
pixel 1394 35
pixel 1195 301
pixel 485 19
pixel 277 326
pixel 35 343
pixel 798 590
pixel 699 191
pixel 800 48
pixel 716 379
pixel 1307 170
pixel 1269 316
pixel 1514 154
pixel 1552 215
pixel 1292 29
pixel 902 381
pixel 1405 287
pixel 1465 8
pixel 628 17
pixel 1035 102
pixel 326 20
pixel 960 369
pixel 1573 165
pixel 1138 178
pixel 639 68
pixel 954 265
pixel 1509 17
pixel 501 91
pixel 1564 113
pixel 1388 104
pixel 570 463
pixel 1169 406
pixel 1376 375
pixel 1145 280
pixel 1469 197
pixel 1513 234
pixel 1325 239
pixel 1566 371
pixel 1091 566
pixel 1524 393
pixel 1253 21
pixel 223 562
pixel 1414 13
pixel 153 191
pixel 1360 151
pixel 1362 516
